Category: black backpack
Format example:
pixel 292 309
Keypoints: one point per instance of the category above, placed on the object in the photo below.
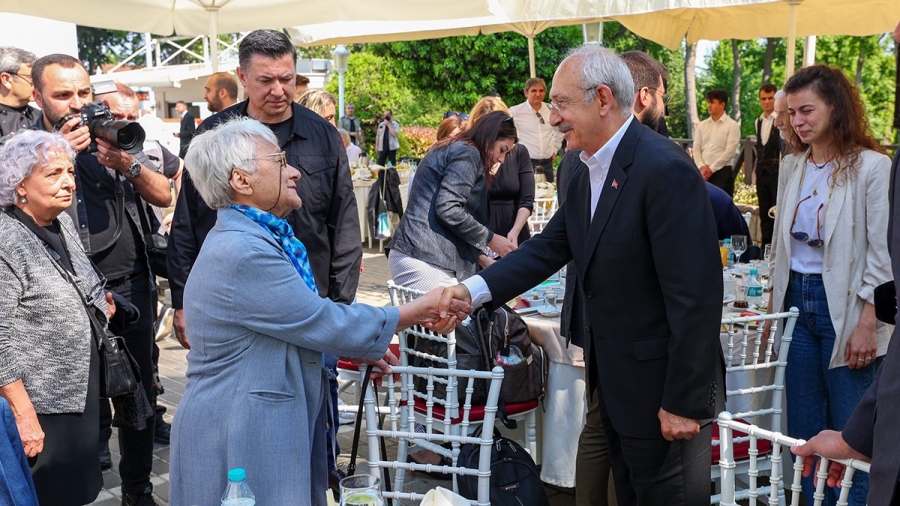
pixel 515 480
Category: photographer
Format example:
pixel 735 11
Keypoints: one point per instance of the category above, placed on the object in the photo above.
pixel 113 237
pixel 386 142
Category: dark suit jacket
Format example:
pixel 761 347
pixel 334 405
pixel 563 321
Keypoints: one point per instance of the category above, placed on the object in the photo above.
pixel 327 224
pixel 188 127
pixel 729 220
pixel 877 437
pixel 571 321
pixel 651 276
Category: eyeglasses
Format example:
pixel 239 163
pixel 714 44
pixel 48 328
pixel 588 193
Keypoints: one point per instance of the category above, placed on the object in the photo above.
pixel 25 77
pixel 665 96
pixel 282 162
pixel 540 117
pixel 561 105
pixel 452 114
pixel 803 236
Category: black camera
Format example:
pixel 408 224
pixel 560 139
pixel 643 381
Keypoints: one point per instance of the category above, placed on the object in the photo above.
pixel 125 135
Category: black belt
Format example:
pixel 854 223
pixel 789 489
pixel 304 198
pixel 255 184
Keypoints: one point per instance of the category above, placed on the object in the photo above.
pixel 800 275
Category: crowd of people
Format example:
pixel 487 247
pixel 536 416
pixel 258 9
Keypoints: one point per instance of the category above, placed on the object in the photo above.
pixel 263 258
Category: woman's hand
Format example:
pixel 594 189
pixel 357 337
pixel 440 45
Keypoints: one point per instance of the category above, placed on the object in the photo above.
pixel 501 245
pixel 30 432
pixel 513 237
pixel 862 348
pixel 110 306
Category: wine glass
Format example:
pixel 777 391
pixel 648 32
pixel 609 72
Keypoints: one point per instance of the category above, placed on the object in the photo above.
pixel 767 252
pixel 739 246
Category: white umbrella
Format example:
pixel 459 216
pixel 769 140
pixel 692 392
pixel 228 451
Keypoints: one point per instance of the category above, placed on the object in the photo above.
pixel 526 17
pixel 767 18
pixel 211 17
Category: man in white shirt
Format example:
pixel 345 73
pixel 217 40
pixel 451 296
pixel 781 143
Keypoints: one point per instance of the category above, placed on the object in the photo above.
pixel 716 142
pixel 638 225
pixel 532 119
pixel 768 158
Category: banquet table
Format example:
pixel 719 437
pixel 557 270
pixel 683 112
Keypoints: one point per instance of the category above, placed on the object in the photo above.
pixel 361 189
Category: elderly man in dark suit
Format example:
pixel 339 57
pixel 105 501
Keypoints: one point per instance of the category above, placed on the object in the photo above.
pixel 641 233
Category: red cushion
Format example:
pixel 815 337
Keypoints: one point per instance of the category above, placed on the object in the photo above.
pixel 353 365
pixel 742 449
pixel 476 414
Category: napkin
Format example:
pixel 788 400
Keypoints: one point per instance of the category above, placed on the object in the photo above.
pixel 442 497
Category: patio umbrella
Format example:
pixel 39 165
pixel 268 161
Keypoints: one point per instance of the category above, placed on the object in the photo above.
pixel 526 17
pixel 767 18
pixel 211 17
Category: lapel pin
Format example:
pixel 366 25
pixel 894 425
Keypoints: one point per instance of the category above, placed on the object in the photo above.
pixel 615 184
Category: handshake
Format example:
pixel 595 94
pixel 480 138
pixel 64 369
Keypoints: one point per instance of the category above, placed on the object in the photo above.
pixel 440 310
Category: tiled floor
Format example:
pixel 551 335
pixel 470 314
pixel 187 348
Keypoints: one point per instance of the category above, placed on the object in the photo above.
pixel 172 365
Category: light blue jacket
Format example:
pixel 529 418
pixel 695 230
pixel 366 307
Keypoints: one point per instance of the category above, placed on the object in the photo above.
pixel 255 391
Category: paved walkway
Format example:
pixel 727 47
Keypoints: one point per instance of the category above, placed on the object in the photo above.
pixel 172 366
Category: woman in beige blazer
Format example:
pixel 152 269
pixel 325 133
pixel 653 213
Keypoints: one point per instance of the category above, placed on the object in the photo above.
pixel 830 253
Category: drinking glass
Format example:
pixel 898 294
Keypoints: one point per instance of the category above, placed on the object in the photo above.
pixel 739 245
pixel 550 300
pixel 767 252
pixel 723 252
pixel 361 490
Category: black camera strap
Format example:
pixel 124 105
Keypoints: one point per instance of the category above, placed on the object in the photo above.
pixel 120 219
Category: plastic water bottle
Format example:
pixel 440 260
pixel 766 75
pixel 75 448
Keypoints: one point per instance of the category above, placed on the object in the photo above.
pixel 753 289
pixel 238 493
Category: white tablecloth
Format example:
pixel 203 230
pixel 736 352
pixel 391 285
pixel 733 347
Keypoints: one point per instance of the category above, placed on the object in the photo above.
pixel 564 402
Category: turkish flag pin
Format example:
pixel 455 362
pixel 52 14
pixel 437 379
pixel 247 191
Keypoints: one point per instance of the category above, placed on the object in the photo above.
pixel 615 184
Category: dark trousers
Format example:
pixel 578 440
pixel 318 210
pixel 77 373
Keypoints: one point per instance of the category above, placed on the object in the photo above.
pixel 592 465
pixel 766 191
pixel 724 179
pixel 544 167
pixel 651 472
pixel 384 156
pixel 136 446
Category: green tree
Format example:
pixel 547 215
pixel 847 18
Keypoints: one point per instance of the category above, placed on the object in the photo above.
pixel 98 46
pixel 457 71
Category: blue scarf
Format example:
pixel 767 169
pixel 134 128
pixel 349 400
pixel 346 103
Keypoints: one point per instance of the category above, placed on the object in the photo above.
pixel 283 233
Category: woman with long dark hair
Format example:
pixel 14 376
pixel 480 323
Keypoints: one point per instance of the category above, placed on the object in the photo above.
pixel 830 253
pixel 444 231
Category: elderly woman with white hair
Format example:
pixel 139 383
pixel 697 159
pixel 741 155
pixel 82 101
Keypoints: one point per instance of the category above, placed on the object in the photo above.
pixel 255 388
pixel 49 369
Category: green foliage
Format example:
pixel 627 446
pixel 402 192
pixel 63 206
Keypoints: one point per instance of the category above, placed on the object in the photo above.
pixel 97 46
pixel 370 85
pixel 457 71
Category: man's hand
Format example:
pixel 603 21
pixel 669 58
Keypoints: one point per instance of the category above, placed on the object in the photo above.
pixel 706 172
pixel 30 432
pixel 178 325
pixel 453 298
pixel 829 444
pixel 115 159
pixel 675 427
pixel 110 306
pixel 501 245
pixel 78 137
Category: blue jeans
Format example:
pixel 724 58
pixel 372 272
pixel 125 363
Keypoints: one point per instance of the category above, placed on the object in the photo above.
pixel 817 397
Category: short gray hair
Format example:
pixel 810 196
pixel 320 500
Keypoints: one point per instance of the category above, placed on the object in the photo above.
pixel 24 152
pixel 602 66
pixel 215 154
pixel 345 135
pixel 780 95
pixel 11 58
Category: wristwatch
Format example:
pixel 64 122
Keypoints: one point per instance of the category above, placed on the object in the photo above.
pixel 134 169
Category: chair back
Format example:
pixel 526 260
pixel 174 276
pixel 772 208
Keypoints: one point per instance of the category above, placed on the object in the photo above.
pixel 440 426
pixel 544 209
pixel 755 366
pixel 781 445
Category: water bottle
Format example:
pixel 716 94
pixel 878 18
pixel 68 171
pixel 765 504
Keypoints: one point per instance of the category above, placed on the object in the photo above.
pixel 730 252
pixel 238 493
pixel 753 289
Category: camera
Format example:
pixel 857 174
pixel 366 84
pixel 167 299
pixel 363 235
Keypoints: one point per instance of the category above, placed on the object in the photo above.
pixel 125 135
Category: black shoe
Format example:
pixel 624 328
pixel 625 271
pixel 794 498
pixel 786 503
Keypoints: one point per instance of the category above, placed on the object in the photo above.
pixel 138 500
pixel 105 457
pixel 163 431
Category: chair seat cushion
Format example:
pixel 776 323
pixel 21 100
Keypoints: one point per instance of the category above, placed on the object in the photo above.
pixel 476 414
pixel 353 365
pixel 741 449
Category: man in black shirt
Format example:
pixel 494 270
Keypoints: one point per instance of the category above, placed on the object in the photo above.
pixel 16 90
pixel 327 224
pixel 113 236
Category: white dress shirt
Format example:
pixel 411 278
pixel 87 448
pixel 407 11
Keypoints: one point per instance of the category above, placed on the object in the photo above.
pixel 536 133
pixel 598 169
pixel 716 142
pixel 765 126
